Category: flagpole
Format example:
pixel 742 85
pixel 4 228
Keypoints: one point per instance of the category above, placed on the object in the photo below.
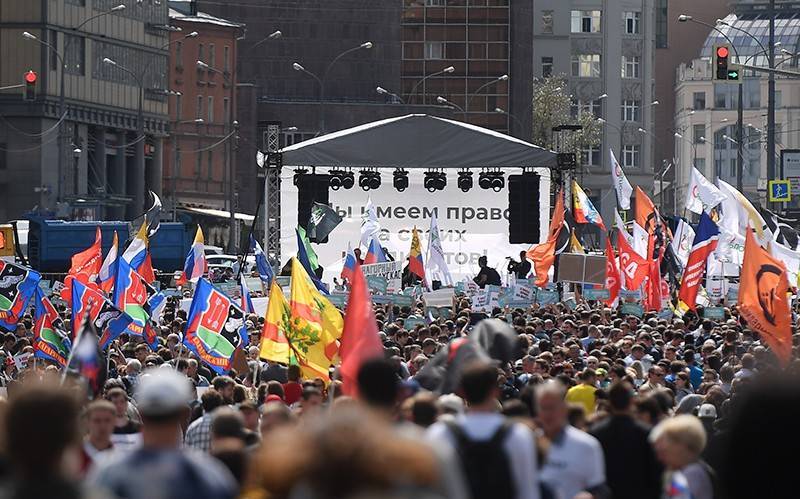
pixel 71 354
pixel 252 229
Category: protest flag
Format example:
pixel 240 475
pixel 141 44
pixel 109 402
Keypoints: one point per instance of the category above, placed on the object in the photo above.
pixel 17 285
pixel 131 297
pixel 705 241
pixel 584 210
pixel 763 298
pixel 436 265
pixel 369 225
pixel 215 327
pixel 107 319
pixel 50 337
pixel 108 269
pixel 195 265
pixel 85 265
pixel 613 283
pixel 544 255
pixel 138 254
pixel 247 301
pixel 322 222
pixel 415 265
pixel 702 195
pixel 274 338
pixel 349 264
pixel 360 341
pixel 265 272
pixel 632 265
pixel 85 358
pixel 308 259
pixel 621 184
pixel 375 253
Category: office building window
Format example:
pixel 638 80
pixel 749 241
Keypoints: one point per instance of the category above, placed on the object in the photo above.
pixel 699 100
pixel 700 164
pixel 547 67
pixel 752 93
pixel 52 54
pixel 721 97
pixel 586 21
pixel 632 20
pixel 75 56
pixel 226 58
pixel 212 55
pixel 178 54
pixel 630 66
pixel 178 105
pixel 586 65
pixel 210 165
pixel 698 131
pixel 210 109
pixel 630 156
pixel 630 110
pixel 662 16
pixel 753 139
pixel 199 113
pixel 200 53
pixel 779 133
pixel 547 22
pixel 590 156
pixel 733 168
pixel 226 109
pixel 434 50
pixel 581 108
pixel 435 3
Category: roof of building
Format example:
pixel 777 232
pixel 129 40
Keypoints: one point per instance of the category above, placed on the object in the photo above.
pixel 787 33
pixel 202 17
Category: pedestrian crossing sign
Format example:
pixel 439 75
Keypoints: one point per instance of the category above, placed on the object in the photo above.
pixel 780 191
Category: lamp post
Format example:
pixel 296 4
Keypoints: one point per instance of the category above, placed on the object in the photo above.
pixel 496 80
pixel 383 91
pixel 444 102
pixel 740 103
pixel 272 36
pixel 298 67
pixel 61 92
pixel 499 110
pixel 447 70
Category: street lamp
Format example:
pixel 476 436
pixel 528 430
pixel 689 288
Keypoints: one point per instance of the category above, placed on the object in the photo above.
pixel 383 91
pixel 500 110
pixel 441 100
pixel 272 36
pixel 447 70
pixel 496 80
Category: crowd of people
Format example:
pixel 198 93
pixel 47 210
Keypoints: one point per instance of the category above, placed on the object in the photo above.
pixel 547 402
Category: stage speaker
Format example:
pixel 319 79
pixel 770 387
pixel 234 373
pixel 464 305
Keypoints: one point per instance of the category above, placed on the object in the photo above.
pixel 310 189
pixel 523 208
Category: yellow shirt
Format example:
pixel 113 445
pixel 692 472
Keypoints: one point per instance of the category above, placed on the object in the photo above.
pixel 584 395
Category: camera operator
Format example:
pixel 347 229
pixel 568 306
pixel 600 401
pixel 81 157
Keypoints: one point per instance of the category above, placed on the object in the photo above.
pixel 521 268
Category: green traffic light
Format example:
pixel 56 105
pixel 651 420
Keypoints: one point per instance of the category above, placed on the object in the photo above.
pixel 733 75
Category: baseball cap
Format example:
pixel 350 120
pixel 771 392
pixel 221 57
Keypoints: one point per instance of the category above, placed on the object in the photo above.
pixel 162 392
pixel 707 411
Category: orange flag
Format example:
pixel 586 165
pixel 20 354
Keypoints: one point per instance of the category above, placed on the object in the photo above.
pixel 544 255
pixel 645 211
pixel 762 298
pixel 85 266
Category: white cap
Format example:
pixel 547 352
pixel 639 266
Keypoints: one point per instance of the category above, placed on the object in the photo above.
pixel 707 411
pixel 162 392
pixel 452 403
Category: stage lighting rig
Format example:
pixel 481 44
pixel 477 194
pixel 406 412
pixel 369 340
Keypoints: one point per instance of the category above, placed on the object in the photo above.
pixel 492 178
pixel 465 182
pixel 435 180
pixel 369 179
pixel 341 178
pixel 298 173
pixel 400 179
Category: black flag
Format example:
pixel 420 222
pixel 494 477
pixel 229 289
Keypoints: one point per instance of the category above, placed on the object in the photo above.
pixel 322 222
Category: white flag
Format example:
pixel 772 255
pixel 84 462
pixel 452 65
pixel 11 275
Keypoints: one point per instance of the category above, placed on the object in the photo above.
pixel 682 242
pixel 369 225
pixel 621 226
pixel 738 213
pixel 640 238
pixel 435 264
pixel 789 257
pixel 621 184
pixel 701 194
pixel 730 248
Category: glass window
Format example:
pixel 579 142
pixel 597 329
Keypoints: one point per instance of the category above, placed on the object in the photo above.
pixel 752 93
pixel 212 55
pixel 178 54
pixel 435 3
pixel 226 58
pixel 720 97
pixel 547 22
pixel 581 108
pixel 226 109
pixel 211 109
pixel 53 57
pixel 199 113
pixel 733 168
pixel 210 165
pixel 586 65
pixel 586 21
pixel 198 164
pixel 698 131
pixel 178 104
pixel 699 100
pixel 662 32
pixel 630 66
pixel 630 156
pixel 75 55
pixel 434 50
pixel 547 67
pixel 700 164
pixel 778 99
pixel 590 156
pixel 200 53
pixel 630 110
pixel 631 22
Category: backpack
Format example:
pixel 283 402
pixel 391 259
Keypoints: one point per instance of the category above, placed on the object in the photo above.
pixel 487 468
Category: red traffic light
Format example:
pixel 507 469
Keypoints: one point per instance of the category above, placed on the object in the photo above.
pixel 722 51
pixel 30 77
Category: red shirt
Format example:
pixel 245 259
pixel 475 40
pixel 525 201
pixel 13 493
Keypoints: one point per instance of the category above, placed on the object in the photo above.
pixel 292 391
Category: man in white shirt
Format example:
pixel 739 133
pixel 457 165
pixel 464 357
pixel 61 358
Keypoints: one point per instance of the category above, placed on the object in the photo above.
pixel 575 466
pixel 97 445
pixel 481 426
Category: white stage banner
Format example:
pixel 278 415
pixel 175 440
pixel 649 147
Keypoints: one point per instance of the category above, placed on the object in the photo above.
pixel 471 224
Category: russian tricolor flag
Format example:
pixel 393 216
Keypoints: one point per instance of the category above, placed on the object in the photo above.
pixel 137 254
pixel 195 265
pixel 585 212
pixel 375 253
pixel 109 268
pixel 349 264
pixel 247 301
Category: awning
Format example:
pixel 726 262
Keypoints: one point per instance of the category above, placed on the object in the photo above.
pixel 417 141
pixel 220 213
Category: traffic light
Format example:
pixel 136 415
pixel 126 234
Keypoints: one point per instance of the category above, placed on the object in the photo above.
pixel 30 85
pixel 724 70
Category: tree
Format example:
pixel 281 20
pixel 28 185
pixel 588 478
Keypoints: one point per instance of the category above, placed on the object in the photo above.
pixel 552 107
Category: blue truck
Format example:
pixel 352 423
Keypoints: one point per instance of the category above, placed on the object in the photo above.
pixel 51 243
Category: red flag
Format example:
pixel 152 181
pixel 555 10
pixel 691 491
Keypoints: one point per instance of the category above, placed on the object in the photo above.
pixel 85 266
pixel 360 341
pixel 705 241
pixel 652 299
pixel 632 265
pixel 543 255
pixel 612 274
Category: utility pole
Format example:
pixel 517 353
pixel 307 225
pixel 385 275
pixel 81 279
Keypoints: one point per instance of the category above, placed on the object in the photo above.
pixel 771 97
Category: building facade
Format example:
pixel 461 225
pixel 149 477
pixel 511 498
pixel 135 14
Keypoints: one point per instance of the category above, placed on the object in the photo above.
pixel 488 45
pixel 706 111
pixel 605 52
pixel 676 43
pixel 89 147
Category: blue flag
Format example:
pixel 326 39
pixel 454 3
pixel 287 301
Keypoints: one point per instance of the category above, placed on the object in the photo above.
pixel 264 268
